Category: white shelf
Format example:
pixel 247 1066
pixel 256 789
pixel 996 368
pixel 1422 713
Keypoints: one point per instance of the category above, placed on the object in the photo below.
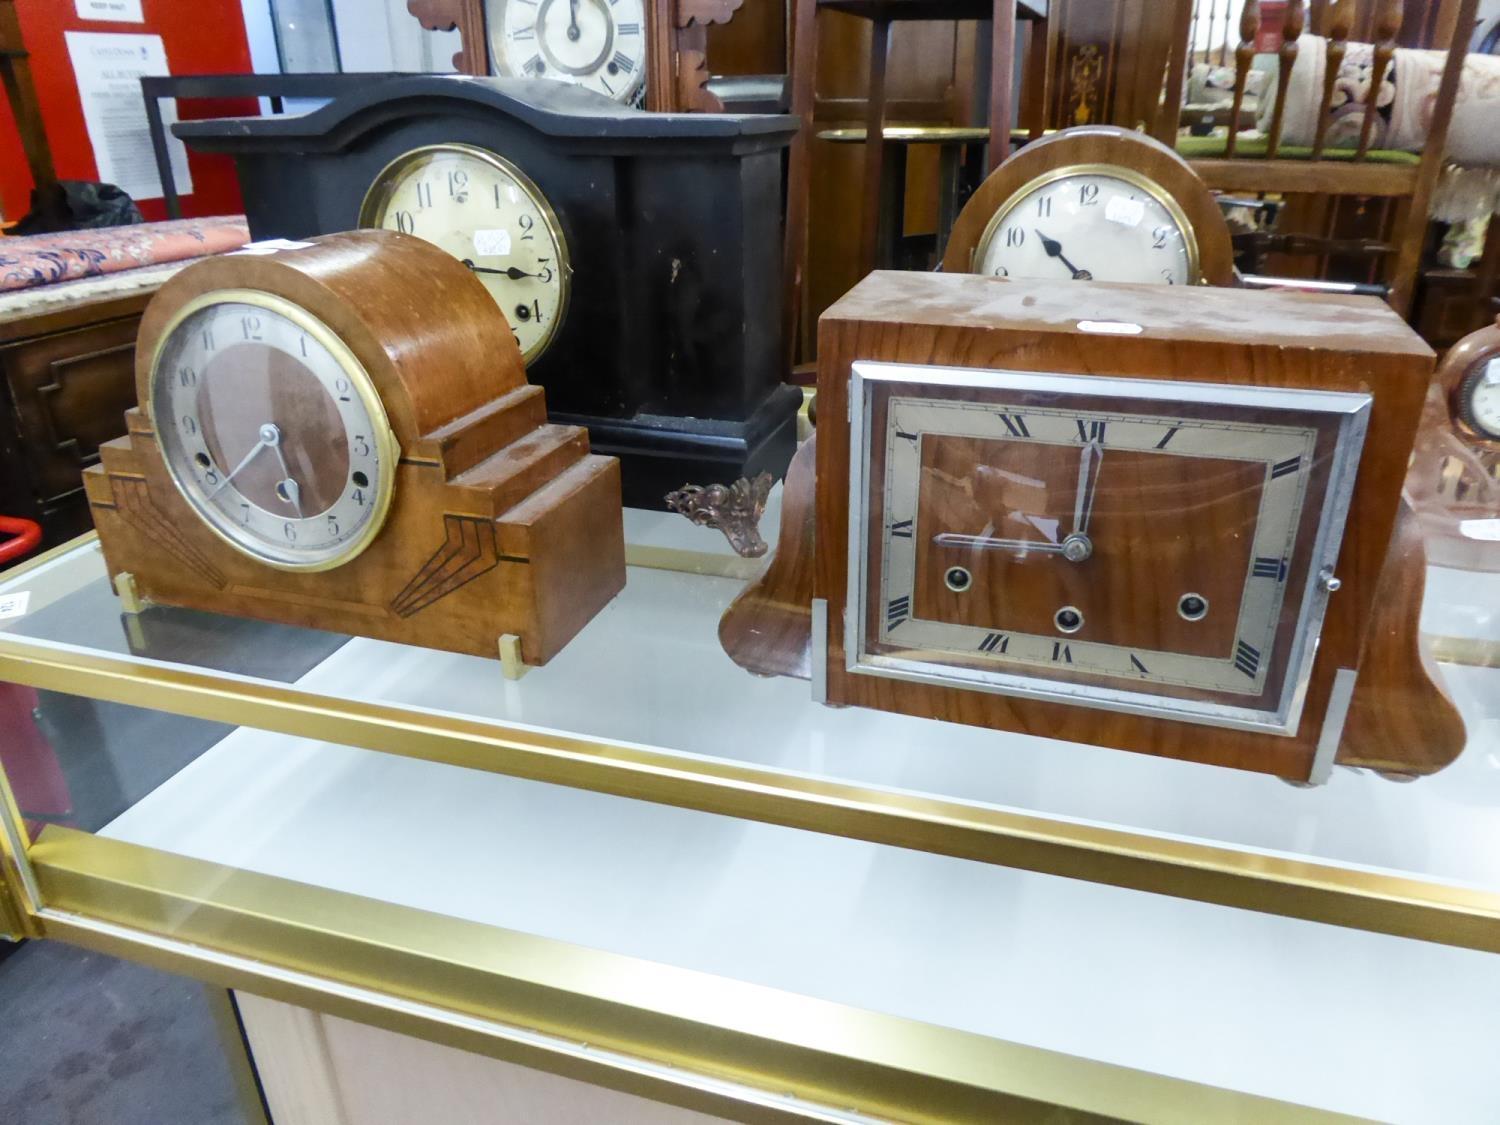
pixel 1339 1019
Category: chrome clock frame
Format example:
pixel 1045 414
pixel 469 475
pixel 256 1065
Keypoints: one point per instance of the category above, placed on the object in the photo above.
pixel 1352 413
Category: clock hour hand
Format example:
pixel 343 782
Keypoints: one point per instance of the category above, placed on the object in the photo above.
pixel 1054 250
pixel 990 543
pixel 511 272
pixel 1077 546
pixel 292 492
pixel 573 30
pixel 287 489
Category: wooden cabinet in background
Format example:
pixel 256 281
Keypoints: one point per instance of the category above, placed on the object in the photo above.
pixel 67 376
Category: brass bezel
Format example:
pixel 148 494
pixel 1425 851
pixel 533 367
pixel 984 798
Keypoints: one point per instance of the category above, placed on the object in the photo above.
pixel 382 435
pixel 378 197
pixel 1114 171
pixel 1460 409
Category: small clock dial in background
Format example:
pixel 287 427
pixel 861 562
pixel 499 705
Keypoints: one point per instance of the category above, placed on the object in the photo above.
pixel 486 213
pixel 265 431
pixel 1087 226
pixel 1480 398
pixel 598 44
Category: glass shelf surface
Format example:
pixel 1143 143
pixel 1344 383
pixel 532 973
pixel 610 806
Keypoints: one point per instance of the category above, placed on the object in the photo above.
pixel 649 671
pixel 1311 1014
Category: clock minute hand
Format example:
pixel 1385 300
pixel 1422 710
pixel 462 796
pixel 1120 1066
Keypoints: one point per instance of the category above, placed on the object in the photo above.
pixel 512 272
pixel 1054 250
pixel 1088 476
pixel 254 449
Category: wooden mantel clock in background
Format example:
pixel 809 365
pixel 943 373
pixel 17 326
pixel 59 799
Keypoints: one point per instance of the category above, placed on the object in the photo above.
pixel 634 51
pixel 339 434
pixel 1094 203
pixel 1079 510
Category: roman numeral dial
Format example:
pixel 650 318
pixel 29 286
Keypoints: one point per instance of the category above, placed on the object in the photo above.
pixel 597 44
pixel 1150 549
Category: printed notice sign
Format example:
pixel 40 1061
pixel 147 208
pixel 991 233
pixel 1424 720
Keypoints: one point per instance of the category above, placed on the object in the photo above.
pixel 117 11
pixel 109 69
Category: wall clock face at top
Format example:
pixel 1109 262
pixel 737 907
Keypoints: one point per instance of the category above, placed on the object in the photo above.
pixel 483 210
pixel 1090 223
pixel 271 430
pixel 599 44
pixel 1161 548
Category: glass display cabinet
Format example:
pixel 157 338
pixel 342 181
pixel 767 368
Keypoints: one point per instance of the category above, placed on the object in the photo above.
pixel 646 871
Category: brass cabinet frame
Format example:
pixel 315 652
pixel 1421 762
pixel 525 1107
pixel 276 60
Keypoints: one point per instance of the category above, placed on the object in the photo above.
pixel 687 1038
pixel 674 1035
pixel 1309 890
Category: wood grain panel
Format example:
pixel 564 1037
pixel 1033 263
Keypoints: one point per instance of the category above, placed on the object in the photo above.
pixel 1150 515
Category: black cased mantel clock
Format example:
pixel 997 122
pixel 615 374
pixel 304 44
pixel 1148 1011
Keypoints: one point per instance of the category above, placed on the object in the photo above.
pixel 636 255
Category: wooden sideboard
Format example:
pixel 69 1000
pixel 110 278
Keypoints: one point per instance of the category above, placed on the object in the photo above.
pixel 67 376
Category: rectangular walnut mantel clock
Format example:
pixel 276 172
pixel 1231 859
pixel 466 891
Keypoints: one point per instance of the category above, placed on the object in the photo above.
pixel 636 255
pixel 1112 514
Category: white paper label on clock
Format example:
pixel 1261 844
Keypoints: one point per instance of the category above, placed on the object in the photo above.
pixel 1111 327
pixel 1125 211
pixel 492 243
pixel 271 245
pixel 1488 530
pixel 14 605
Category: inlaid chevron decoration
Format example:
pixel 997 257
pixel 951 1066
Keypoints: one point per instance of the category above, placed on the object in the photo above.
pixel 469 551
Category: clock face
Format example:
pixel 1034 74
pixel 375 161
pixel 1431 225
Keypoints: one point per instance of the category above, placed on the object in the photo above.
pixel 486 213
pixel 1479 398
pixel 1086 224
pixel 600 44
pixel 1148 546
pixel 271 430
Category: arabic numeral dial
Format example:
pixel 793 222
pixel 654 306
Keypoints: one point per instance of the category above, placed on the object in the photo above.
pixel 1088 226
pixel 487 213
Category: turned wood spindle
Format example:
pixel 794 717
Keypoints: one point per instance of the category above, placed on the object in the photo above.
pixel 1243 55
pixel 1291 31
pixel 1387 26
pixel 1340 20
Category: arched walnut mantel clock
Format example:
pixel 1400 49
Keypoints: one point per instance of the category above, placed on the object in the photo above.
pixel 1093 203
pixel 339 434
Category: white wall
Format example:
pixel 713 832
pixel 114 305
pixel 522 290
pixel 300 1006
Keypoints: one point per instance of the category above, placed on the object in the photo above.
pixel 373 35
pixel 383 35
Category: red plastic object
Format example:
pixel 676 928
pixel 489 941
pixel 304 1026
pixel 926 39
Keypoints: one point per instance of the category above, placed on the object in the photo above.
pixel 27 535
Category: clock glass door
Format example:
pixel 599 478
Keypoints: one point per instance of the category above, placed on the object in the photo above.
pixel 1155 547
